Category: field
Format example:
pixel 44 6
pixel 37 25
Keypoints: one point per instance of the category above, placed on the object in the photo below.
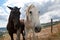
pixel 45 34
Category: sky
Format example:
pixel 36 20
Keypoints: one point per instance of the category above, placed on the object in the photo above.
pixel 47 8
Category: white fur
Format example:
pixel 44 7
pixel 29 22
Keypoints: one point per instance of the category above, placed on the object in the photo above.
pixel 33 20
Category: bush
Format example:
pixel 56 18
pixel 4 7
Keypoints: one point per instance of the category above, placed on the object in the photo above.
pixel 1 34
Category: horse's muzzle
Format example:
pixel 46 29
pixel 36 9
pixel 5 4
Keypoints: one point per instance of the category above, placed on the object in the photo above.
pixel 37 29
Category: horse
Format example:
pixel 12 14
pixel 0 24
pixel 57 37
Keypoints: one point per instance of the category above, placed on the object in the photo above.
pixel 32 20
pixel 15 25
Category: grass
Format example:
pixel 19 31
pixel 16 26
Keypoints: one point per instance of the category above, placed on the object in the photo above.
pixel 1 34
pixel 52 36
pixel 1 37
pixel 55 36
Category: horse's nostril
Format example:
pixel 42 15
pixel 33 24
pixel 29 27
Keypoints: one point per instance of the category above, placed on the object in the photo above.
pixel 37 29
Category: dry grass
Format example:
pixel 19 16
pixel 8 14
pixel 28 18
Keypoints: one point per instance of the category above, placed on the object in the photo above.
pixel 45 34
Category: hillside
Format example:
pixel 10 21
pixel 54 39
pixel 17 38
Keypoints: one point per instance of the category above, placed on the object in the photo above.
pixel 45 34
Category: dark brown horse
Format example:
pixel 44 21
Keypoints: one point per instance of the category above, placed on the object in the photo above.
pixel 15 25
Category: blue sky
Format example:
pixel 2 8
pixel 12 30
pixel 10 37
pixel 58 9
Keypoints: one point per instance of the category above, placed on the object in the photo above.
pixel 2 2
pixel 47 8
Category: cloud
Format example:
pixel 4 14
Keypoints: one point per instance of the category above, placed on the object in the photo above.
pixel 3 17
pixel 48 9
pixel 3 20
pixel 45 18
pixel 2 11
pixel 3 24
pixel 55 15
pixel 3 14
pixel 18 3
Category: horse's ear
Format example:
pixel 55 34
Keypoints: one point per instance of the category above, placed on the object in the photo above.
pixel 19 8
pixel 10 8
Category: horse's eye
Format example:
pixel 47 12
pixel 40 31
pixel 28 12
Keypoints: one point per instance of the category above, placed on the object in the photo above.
pixel 30 12
pixel 38 11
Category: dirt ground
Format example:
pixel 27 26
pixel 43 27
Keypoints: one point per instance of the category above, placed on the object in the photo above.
pixel 45 34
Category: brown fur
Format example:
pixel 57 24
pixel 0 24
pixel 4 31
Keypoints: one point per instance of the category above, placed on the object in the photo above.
pixel 14 23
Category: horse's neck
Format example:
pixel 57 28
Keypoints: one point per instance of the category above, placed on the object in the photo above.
pixel 28 24
pixel 27 20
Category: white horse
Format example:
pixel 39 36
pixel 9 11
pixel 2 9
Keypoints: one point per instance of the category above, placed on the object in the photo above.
pixel 32 19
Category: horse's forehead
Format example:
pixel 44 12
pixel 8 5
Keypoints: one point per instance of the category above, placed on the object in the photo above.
pixel 31 8
pixel 15 10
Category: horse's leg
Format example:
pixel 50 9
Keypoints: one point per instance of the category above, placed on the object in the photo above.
pixel 11 35
pixel 18 34
pixel 26 33
pixel 34 38
pixel 23 34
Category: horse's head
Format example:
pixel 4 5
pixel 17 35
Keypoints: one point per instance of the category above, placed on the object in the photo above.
pixel 14 15
pixel 32 14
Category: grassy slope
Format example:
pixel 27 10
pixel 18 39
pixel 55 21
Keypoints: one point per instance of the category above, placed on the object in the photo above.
pixel 45 34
